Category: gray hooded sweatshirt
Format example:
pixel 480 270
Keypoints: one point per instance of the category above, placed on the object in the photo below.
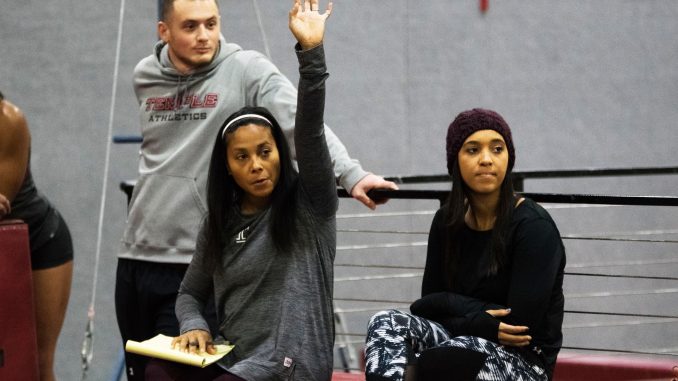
pixel 180 118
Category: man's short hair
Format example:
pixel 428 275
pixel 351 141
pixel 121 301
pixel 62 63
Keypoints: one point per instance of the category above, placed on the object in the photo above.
pixel 167 7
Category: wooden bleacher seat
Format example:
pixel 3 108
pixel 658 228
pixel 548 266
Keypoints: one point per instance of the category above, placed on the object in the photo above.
pixel 18 343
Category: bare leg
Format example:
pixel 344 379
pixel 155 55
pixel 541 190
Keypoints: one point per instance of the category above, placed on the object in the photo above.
pixel 51 290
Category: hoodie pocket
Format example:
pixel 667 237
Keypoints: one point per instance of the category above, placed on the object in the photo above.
pixel 165 212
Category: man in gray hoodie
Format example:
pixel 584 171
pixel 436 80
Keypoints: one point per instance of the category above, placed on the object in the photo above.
pixel 191 83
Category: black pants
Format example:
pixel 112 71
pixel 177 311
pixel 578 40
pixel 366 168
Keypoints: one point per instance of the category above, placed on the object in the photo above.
pixel 145 294
pixel 160 370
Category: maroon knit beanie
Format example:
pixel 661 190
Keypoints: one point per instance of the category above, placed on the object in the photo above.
pixel 468 122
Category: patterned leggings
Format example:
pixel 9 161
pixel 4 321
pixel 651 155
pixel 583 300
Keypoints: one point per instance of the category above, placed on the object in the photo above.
pixel 394 336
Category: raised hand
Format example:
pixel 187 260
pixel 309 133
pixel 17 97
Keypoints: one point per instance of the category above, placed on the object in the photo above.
pixel 307 24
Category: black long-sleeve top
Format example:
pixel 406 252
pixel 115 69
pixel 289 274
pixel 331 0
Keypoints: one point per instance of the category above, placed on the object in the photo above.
pixel 530 283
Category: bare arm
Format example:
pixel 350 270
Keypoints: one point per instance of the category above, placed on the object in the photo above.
pixel 15 143
pixel 5 208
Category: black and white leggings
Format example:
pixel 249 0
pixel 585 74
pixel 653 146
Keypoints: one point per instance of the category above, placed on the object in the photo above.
pixel 392 336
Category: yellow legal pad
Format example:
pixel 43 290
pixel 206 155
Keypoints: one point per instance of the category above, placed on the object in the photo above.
pixel 161 347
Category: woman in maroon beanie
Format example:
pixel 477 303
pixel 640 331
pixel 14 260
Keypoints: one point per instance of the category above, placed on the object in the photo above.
pixel 492 299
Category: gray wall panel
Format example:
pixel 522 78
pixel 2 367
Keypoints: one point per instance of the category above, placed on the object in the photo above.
pixel 582 83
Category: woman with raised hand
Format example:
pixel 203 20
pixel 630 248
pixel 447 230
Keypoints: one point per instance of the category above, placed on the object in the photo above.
pixel 268 242
pixel 492 299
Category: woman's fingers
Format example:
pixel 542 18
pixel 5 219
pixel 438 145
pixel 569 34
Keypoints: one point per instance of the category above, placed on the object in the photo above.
pixel 329 10
pixel 512 335
pixel 210 348
pixel 514 342
pixel 512 329
pixel 180 343
pixel 499 313
pixel 196 341
pixel 193 344
pixel 310 6
pixel 204 342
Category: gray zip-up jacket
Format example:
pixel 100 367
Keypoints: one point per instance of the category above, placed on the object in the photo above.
pixel 180 118
pixel 275 305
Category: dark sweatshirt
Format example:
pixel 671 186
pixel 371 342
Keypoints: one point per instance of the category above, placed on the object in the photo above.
pixel 530 283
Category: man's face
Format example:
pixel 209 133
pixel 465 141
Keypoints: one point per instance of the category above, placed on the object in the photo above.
pixel 192 32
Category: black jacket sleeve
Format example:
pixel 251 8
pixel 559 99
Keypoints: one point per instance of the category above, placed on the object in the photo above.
pixel 458 314
pixel 538 258
pixel 313 156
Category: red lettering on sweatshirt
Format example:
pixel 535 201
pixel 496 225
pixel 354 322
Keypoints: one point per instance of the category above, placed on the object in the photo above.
pixel 209 100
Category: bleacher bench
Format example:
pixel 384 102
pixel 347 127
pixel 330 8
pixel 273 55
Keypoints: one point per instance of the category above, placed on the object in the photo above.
pixel 18 344
pixel 585 367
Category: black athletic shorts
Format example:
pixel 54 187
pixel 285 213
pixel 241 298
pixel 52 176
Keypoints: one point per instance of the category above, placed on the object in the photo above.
pixel 56 251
